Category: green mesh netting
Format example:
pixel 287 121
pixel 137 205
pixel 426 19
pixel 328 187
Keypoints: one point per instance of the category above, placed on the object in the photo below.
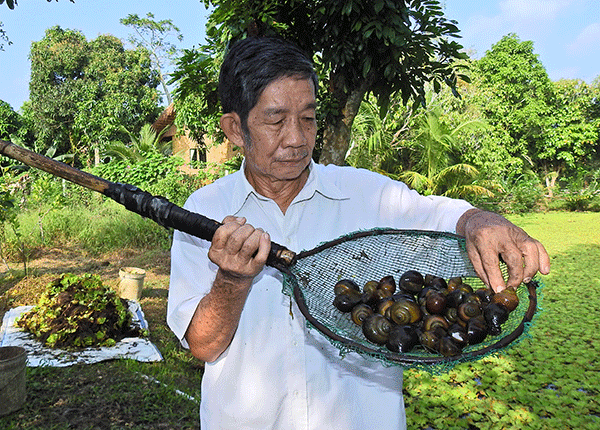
pixel 371 255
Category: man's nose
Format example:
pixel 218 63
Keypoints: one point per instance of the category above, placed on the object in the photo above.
pixel 296 134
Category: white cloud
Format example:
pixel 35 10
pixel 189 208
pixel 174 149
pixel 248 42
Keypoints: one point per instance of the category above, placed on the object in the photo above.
pixel 586 41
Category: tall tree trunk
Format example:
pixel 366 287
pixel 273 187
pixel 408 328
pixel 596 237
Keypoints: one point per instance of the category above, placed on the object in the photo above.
pixel 338 129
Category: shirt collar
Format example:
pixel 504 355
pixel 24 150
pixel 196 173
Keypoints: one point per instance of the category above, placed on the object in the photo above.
pixel 317 182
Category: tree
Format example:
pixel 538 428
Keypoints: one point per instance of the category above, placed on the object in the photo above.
pixel 154 36
pixel 381 47
pixel 574 134
pixel 83 92
pixel 516 95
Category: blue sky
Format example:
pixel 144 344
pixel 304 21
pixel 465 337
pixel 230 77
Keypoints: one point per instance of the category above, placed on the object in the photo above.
pixel 566 33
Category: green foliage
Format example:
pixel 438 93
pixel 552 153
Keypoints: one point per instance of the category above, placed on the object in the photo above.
pixel 156 174
pixel 84 92
pixel 78 311
pixel 516 95
pixel 148 142
pixel 384 48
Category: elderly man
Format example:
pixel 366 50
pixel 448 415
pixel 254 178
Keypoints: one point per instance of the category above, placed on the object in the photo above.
pixel 264 369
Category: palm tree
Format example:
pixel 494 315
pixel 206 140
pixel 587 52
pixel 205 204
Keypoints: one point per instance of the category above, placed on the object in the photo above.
pixel 147 142
pixel 434 171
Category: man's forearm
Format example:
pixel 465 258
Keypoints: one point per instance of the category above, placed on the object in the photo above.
pixel 217 316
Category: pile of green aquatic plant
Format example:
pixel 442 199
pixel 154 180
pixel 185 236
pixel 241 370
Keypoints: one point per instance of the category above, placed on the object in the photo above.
pixel 78 311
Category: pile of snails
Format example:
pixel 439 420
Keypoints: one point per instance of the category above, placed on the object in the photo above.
pixel 442 315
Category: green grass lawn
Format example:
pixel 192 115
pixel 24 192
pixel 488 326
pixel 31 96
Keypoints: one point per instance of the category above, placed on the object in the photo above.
pixel 551 379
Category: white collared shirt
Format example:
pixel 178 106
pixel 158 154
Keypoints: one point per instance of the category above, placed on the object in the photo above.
pixel 276 373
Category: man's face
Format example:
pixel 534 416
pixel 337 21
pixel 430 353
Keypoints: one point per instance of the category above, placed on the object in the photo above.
pixel 282 131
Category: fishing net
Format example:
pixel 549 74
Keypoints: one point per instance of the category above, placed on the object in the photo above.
pixel 371 255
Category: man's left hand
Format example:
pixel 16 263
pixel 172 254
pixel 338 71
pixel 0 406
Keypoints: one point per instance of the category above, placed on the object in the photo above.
pixel 489 237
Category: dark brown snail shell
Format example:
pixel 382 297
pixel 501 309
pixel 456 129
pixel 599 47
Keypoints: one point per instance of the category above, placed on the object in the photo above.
pixel 438 283
pixel 376 329
pixel 402 338
pixel 388 284
pixel 454 283
pixel 360 313
pixel 345 302
pixel 430 339
pixel 458 334
pixel 468 310
pixel 370 287
pixel 412 281
pixel 384 305
pixel 508 298
pixel 465 288
pixel 484 294
pixel 476 330
pixel 495 315
pixel 430 322
pixel 448 348
pixel 344 285
pixel 451 314
pixel 405 312
pixel 435 302
pixel 454 298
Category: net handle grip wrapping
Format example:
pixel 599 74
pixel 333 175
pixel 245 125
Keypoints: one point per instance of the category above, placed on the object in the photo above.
pixel 156 208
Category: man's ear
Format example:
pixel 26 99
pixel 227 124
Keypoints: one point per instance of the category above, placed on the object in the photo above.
pixel 232 127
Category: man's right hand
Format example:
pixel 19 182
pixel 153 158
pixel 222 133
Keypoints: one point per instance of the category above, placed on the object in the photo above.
pixel 239 249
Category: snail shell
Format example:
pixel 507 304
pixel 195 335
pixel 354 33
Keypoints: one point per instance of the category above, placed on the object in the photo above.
pixel 435 302
pixel 476 330
pixel 458 334
pixel 454 283
pixel 360 313
pixel 454 298
pixel 370 287
pixel 388 284
pixel 430 339
pixel 468 310
pixel 376 329
pixel 402 338
pixel 412 281
pixel 405 312
pixel 384 306
pixel 484 294
pixel 345 302
pixel 495 315
pixel 448 348
pixel 437 282
pixel 430 322
pixel 344 285
pixel 508 298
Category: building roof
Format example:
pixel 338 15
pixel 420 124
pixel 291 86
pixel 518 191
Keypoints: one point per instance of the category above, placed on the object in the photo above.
pixel 165 119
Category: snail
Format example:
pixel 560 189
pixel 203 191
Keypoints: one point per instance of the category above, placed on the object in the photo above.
pixel 412 281
pixel 430 322
pixel 448 348
pixel 495 315
pixel 507 297
pixel 405 312
pixel 402 338
pixel 387 284
pixel 435 302
pixel 476 330
pixel 376 328
pixel 360 313
pixel 468 310
pixel 346 301
pixel 344 285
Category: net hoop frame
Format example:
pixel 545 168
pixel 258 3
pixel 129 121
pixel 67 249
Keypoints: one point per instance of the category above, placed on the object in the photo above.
pixel 406 359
